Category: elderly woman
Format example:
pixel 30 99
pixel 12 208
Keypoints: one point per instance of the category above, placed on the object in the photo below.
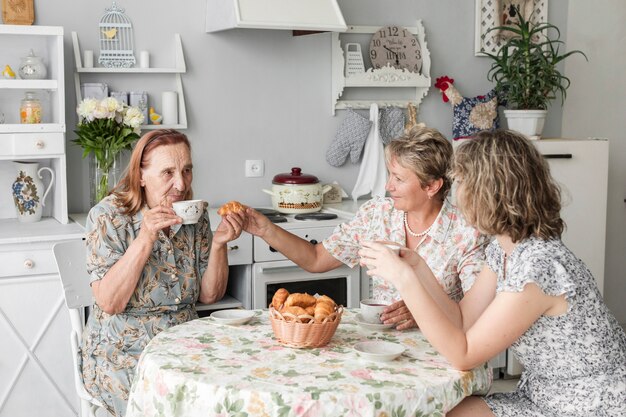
pixel 416 215
pixel 534 294
pixel 147 270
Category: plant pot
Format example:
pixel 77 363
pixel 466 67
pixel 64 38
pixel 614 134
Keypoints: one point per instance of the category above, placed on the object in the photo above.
pixel 527 122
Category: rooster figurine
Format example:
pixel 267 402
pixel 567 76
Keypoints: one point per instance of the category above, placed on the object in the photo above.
pixel 155 118
pixel 8 73
pixel 470 114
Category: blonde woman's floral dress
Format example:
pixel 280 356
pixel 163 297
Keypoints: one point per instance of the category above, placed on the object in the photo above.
pixel 574 363
pixel 453 249
pixel 164 297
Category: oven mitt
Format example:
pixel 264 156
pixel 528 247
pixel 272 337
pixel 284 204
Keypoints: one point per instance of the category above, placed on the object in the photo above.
pixel 391 123
pixel 349 139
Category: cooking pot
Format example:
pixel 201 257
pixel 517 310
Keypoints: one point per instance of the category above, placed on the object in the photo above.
pixel 296 192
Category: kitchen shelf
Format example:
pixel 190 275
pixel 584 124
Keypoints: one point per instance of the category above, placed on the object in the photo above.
pixel 42 142
pixel 178 69
pixel 387 77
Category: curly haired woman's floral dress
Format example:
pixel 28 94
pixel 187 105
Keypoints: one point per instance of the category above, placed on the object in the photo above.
pixel 574 363
pixel 453 249
pixel 164 297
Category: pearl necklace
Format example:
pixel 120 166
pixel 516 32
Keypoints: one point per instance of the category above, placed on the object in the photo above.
pixel 411 232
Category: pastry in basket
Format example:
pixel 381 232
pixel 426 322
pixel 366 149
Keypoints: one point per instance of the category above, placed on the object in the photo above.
pixel 279 298
pixel 301 300
pixel 323 309
pixel 295 310
pixel 231 207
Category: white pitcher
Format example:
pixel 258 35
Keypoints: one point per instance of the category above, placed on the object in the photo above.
pixel 27 191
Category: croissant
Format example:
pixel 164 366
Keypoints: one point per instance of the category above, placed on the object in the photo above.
pixel 301 300
pixel 296 311
pixel 310 310
pixel 279 298
pixel 323 310
pixel 326 299
pixel 231 207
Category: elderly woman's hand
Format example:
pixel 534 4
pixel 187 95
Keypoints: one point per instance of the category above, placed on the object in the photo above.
pixel 155 219
pixel 398 314
pixel 230 228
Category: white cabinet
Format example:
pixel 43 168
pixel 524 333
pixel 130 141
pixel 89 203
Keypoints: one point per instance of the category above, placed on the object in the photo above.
pixel 387 77
pixel 137 74
pixel 42 142
pixel 581 169
pixel 36 376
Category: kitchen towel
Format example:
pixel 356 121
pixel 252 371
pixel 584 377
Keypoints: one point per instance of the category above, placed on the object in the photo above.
pixel 349 139
pixel 373 172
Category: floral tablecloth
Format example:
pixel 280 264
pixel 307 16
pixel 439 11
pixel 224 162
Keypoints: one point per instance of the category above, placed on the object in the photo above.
pixel 202 368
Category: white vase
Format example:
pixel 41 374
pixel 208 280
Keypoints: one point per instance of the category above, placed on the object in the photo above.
pixel 527 122
pixel 27 191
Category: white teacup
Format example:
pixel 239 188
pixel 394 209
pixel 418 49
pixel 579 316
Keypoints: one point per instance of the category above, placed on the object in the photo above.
pixel 189 210
pixel 372 309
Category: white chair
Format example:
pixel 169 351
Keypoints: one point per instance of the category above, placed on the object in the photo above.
pixel 70 258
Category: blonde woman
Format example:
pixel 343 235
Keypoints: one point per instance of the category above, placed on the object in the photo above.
pixel 533 294
pixel 416 214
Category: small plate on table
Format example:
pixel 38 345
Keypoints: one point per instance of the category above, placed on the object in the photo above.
pixel 232 317
pixel 371 326
pixel 379 350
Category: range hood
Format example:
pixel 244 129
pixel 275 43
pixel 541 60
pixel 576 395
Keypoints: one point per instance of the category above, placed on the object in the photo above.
pixel 305 15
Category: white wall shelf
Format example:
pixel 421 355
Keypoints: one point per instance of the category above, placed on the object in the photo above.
pixel 387 77
pixel 42 142
pixel 178 69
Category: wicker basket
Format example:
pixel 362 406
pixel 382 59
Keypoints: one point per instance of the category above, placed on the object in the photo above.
pixel 291 331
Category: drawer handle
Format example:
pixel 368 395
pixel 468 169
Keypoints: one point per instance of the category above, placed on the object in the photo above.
pixel 234 247
pixel 28 264
pixel 40 144
pixel 558 156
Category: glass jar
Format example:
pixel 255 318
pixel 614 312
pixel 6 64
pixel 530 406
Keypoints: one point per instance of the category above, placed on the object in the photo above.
pixel 30 110
pixel 32 68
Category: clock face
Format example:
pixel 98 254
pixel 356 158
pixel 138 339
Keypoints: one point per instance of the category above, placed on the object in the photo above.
pixel 396 46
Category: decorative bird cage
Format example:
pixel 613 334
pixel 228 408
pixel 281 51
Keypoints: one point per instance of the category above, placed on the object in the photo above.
pixel 116 39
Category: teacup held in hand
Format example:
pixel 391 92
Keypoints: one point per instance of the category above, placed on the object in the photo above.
pixel 189 210
pixel 371 310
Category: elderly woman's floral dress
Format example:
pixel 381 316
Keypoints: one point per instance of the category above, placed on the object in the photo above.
pixel 574 363
pixel 165 296
pixel 453 249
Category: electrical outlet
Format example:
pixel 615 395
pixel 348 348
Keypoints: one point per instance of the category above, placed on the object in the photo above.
pixel 255 168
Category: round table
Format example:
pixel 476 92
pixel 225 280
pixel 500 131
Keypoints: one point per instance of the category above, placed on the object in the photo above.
pixel 202 368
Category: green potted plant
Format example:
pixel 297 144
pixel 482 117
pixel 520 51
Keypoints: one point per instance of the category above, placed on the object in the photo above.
pixel 526 74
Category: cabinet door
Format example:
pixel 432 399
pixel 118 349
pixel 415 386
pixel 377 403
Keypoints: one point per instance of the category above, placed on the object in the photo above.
pixel 35 357
pixel 581 169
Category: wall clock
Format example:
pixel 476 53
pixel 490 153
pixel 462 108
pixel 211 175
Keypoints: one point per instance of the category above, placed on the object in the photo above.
pixel 396 46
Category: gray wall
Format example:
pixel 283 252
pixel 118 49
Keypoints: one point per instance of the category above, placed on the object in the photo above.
pixel 259 94
pixel 595 108
pixel 264 94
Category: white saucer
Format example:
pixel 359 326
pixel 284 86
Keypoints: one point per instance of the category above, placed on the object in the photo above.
pixel 233 317
pixel 370 326
pixel 379 350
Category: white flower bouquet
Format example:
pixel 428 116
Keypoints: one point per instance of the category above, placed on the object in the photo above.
pixel 105 128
